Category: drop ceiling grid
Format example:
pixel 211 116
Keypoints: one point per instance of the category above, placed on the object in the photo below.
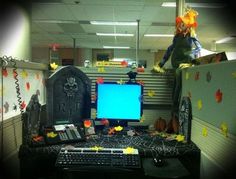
pixel 161 30
pixel 88 28
pixel 49 27
pixel 79 12
pixel 55 11
pixel 158 14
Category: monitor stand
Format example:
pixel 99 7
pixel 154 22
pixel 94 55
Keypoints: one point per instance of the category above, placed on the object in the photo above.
pixel 114 123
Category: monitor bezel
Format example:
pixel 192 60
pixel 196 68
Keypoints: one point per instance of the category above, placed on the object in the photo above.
pixel 120 121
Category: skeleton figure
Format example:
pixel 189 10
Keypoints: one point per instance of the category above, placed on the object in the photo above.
pixel 70 87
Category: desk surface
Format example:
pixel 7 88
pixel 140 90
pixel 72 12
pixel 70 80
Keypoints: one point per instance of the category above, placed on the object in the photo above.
pixel 148 146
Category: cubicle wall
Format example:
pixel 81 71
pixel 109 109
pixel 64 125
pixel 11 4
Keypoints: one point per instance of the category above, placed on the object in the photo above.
pixel 31 80
pixel 157 90
pixel 212 89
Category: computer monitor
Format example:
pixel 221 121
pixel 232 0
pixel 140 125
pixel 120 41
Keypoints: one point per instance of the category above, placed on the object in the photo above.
pixel 119 103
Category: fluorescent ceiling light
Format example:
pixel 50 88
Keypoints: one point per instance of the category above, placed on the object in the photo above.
pixel 200 5
pixel 168 4
pixel 224 40
pixel 114 34
pixel 118 47
pixel 159 35
pixel 113 23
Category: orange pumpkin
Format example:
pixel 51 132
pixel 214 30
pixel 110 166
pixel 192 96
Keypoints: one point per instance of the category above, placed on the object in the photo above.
pixel 160 124
pixel 173 125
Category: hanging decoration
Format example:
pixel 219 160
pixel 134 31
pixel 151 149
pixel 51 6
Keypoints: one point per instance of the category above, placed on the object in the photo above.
pixel 23 105
pixel 24 74
pixel 100 80
pixel 38 92
pixel 53 66
pixel 140 69
pixel 151 93
pixel 142 119
pixel 37 76
pixel 199 104
pixel 124 63
pixel 94 98
pixel 94 114
pixel 224 129
pixel 4 72
pixel 141 82
pixel 189 94
pixel 14 72
pixel 6 107
pixel 43 82
pixel 121 82
pixel 234 74
pixel 197 76
pixel 218 96
pixel 101 69
pixel 2 91
pixel 187 75
pixel 14 107
pixel 27 86
pixel 204 132
pixel 208 77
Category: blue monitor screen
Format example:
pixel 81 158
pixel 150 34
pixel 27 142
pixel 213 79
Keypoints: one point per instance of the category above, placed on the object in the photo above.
pixel 119 102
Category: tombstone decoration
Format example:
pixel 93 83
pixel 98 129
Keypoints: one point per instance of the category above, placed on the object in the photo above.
pixel 68 96
pixel 185 117
pixel 31 119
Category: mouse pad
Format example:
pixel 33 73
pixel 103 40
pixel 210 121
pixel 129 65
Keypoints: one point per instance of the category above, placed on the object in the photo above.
pixel 172 168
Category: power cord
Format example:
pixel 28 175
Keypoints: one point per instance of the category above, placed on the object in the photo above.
pixel 18 94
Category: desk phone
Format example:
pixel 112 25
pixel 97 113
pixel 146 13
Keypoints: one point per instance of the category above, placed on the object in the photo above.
pixel 63 134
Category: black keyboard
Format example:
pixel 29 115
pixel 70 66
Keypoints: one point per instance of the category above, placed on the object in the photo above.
pixel 106 157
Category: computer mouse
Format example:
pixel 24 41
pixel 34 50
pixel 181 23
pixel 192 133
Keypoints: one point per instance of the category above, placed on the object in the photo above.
pixel 158 162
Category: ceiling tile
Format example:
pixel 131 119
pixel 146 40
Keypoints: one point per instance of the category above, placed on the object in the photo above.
pixel 71 28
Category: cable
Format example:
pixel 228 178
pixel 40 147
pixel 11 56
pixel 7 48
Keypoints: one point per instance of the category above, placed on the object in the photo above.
pixel 18 94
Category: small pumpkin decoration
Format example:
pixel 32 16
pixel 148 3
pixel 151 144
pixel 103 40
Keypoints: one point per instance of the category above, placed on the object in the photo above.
pixel 160 124
pixel 173 125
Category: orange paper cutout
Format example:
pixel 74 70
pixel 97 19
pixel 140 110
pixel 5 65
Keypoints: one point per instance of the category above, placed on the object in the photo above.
pixel 4 72
pixel 100 80
pixel 87 123
pixel 27 85
pixel 218 96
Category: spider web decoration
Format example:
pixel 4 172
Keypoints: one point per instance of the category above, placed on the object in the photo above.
pixel 148 146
